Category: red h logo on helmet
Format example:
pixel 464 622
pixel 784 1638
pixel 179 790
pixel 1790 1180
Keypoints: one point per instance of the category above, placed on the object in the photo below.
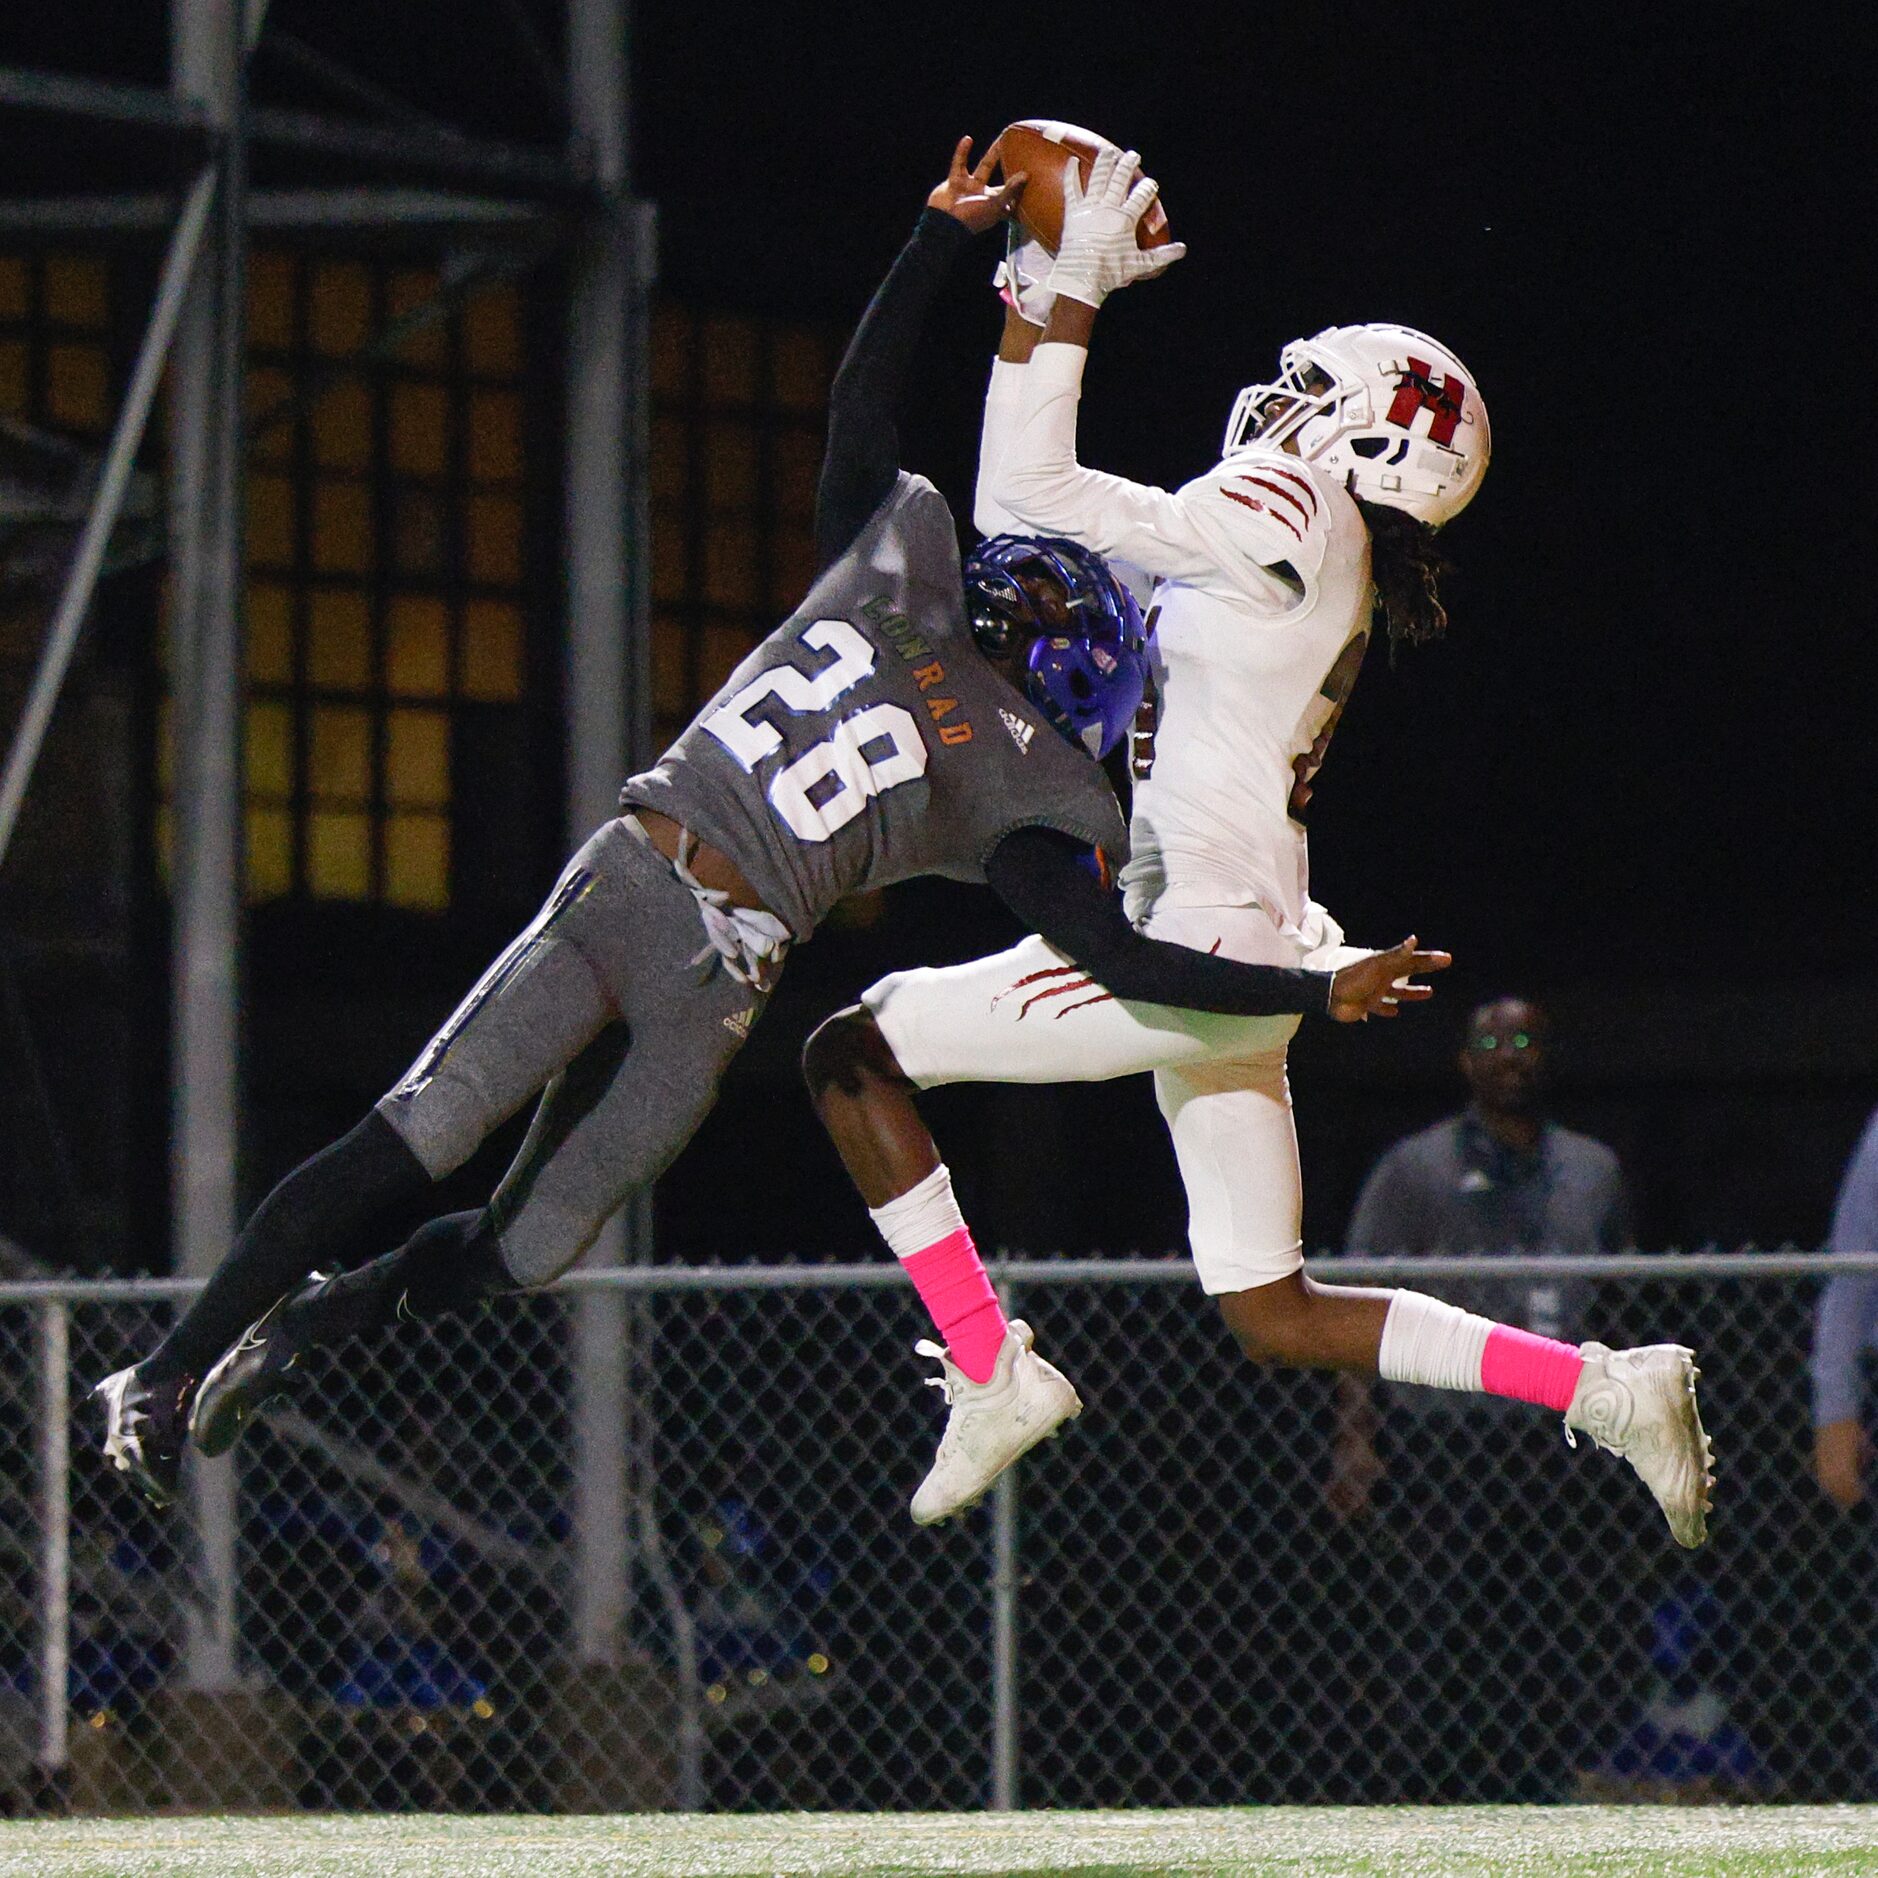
pixel 1417 391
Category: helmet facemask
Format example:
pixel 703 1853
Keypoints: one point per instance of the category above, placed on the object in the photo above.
pixel 1076 627
pixel 1387 409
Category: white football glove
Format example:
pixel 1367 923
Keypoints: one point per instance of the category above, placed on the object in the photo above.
pixel 1098 251
pixel 1020 276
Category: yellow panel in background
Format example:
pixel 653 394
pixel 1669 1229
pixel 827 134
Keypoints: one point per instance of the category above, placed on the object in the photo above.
pixel 78 291
pixel 342 307
pixel 12 287
pixel 417 861
pixel 339 640
pixel 492 332
pixel 339 855
pixel 417 646
pixel 269 869
pixel 13 377
pixel 342 425
pixel 495 436
pixel 417 760
pixel 723 650
pixel 163 839
pixel 729 361
pixel 492 651
pixel 341 759
pixel 730 565
pixel 270 634
pixel 270 521
pixel 420 429
pixel 271 300
pixel 409 289
pixel 495 540
pixel 342 527
pixel 799 369
pixel 267 752
pixel 78 389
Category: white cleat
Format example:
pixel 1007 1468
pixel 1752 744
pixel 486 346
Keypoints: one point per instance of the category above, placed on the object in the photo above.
pixel 990 1423
pixel 1641 1404
pixel 144 1430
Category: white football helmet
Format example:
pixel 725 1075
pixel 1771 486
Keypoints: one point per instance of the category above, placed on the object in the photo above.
pixel 1390 410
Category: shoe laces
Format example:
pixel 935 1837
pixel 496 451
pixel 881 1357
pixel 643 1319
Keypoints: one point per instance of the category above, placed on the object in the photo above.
pixel 942 1382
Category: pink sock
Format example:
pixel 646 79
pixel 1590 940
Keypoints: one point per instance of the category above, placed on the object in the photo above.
pixel 926 1232
pixel 953 1285
pixel 1528 1368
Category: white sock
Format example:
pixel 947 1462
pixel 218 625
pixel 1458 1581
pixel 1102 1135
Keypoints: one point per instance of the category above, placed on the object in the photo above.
pixel 1426 1341
pixel 921 1216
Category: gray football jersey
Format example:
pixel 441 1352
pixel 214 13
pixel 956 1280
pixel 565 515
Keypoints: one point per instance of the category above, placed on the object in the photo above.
pixel 867 740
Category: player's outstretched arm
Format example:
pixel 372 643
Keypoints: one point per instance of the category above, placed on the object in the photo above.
pixel 1040 875
pixel 1033 479
pixel 1381 984
pixel 863 454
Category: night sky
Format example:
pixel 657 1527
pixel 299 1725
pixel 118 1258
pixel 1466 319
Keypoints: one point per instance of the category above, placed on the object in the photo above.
pixel 1648 741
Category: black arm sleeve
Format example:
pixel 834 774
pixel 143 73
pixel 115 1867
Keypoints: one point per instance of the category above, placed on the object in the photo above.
pixel 863 455
pixel 1039 874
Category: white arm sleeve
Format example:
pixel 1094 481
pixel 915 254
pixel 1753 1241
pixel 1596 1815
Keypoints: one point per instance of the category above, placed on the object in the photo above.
pixel 1002 401
pixel 1212 533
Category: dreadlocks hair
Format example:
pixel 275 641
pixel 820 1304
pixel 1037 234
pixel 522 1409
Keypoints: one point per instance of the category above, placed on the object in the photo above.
pixel 1405 568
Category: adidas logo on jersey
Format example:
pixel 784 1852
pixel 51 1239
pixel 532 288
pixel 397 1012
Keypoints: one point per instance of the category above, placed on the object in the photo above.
pixel 1021 732
pixel 739 1025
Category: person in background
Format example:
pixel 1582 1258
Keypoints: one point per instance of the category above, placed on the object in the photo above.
pixel 1843 1331
pixel 1465 1497
pixel 1498 1177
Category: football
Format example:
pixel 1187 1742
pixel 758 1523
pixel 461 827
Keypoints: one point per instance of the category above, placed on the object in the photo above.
pixel 1043 148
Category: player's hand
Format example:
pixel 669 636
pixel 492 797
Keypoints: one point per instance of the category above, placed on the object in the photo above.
pixel 1839 1461
pixel 1381 984
pixel 968 194
pixel 1098 253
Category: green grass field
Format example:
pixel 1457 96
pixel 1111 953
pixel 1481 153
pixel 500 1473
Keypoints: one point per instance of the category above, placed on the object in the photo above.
pixel 1297 1842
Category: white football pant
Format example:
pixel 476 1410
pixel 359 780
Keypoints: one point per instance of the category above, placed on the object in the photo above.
pixel 1029 1015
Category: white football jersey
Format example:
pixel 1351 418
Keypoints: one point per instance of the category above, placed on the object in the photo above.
pixel 1261 608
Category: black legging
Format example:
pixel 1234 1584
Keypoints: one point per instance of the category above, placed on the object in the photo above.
pixel 323 1213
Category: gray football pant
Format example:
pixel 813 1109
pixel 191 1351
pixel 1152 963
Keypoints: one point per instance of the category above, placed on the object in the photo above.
pixel 603 1002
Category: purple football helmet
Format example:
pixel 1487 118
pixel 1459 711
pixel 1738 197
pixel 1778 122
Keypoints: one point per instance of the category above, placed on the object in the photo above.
pixel 1087 665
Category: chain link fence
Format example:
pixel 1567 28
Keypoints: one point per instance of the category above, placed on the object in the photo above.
pixel 1196 1596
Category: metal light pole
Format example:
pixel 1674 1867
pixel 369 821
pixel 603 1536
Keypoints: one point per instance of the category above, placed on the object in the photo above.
pixel 608 713
pixel 208 43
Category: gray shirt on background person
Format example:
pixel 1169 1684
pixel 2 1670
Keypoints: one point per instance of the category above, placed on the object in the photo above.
pixel 1455 1190
pixel 1846 1325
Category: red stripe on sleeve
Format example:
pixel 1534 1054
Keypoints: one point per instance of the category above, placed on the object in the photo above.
pixel 1303 482
pixel 1278 489
pixel 1252 502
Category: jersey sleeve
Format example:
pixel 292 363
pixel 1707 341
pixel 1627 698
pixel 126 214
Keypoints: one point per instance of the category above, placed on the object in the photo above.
pixel 1003 398
pixel 1231 531
pixel 862 455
